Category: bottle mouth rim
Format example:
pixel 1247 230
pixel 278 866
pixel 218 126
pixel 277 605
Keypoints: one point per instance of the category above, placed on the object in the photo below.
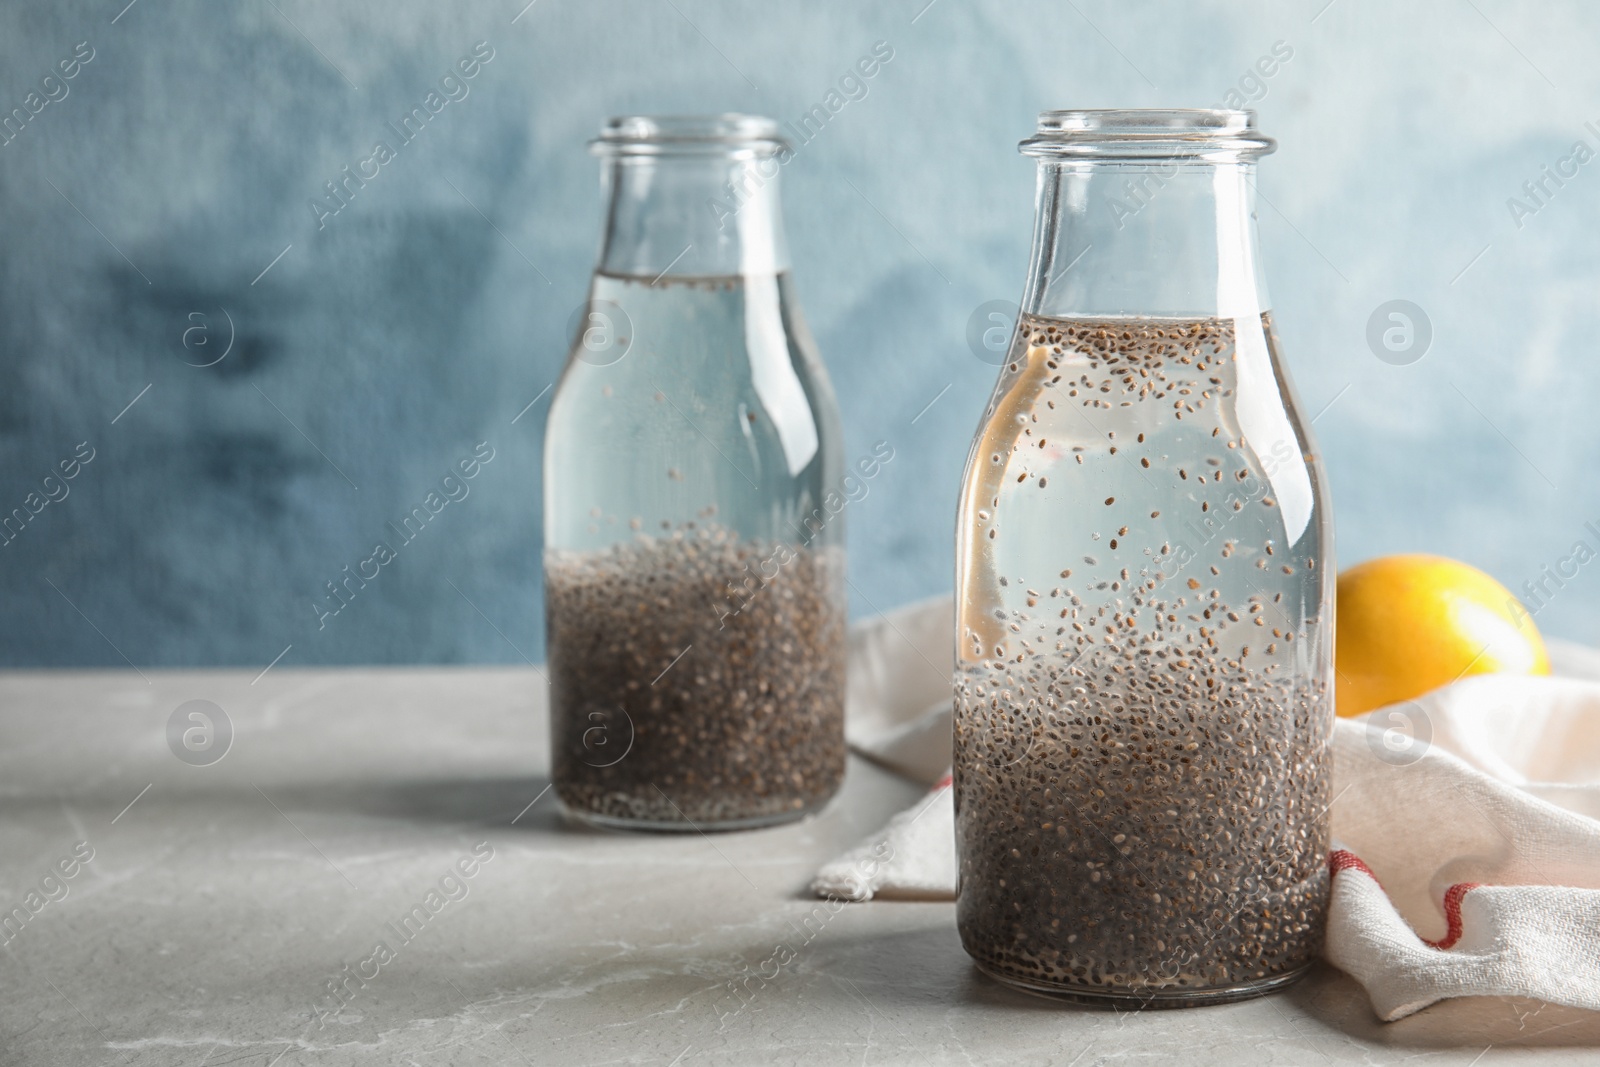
pixel 1208 134
pixel 728 134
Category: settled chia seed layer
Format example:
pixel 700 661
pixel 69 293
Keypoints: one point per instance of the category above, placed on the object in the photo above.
pixel 1143 702
pixel 1159 828
pixel 696 678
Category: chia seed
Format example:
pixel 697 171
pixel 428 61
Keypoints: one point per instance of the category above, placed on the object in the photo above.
pixel 1142 799
pixel 716 663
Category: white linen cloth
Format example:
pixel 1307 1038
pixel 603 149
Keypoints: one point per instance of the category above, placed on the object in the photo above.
pixel 1466 824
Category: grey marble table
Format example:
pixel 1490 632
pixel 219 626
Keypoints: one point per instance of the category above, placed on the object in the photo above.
pixel 219 904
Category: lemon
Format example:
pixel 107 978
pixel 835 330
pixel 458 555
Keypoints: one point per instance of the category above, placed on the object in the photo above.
pixel 1410 624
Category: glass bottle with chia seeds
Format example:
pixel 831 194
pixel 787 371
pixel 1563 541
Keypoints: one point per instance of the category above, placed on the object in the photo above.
pixel 694 580
pixel 1143 697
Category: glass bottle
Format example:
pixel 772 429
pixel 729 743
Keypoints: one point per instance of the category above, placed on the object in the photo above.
pixel 694 581
pixel 1143 697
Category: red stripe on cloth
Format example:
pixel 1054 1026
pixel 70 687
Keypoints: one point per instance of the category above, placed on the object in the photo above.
pixel 943 783
pixel 1452 914
pixel 1344 860
pixel 1341 859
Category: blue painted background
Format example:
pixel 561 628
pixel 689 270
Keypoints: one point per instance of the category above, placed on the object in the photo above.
pixel 422 318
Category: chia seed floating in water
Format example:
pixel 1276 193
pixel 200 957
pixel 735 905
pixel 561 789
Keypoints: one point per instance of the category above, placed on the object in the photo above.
pixel 717 666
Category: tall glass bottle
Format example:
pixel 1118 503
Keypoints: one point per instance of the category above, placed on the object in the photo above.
pixel 694 581
pixel 1145 592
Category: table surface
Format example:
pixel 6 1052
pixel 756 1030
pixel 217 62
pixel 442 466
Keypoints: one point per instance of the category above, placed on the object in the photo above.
pixel 222 901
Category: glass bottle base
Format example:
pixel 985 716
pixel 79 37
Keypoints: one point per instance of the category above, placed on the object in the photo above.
pixel 664 826
pixel 1096 997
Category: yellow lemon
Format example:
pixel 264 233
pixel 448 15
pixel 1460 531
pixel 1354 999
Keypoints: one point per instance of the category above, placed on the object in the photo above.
pixel 1410 624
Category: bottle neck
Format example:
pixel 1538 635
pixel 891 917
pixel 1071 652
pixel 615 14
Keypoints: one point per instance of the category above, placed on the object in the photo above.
pixel 1163 238
pixel 692 215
